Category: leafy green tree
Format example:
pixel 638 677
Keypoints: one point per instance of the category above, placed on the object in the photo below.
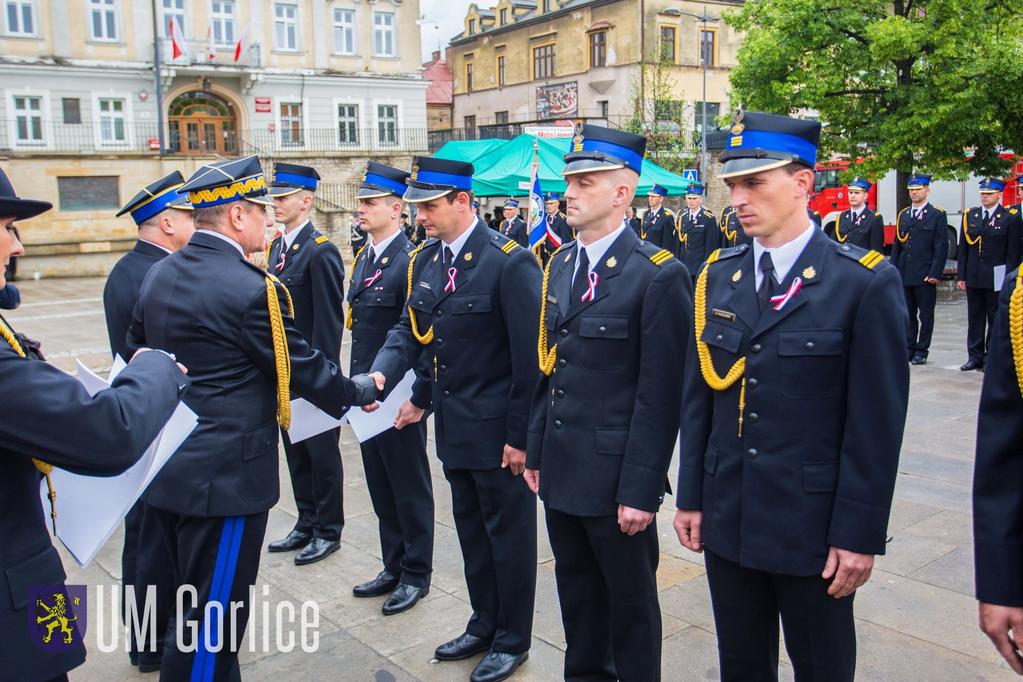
pixel 907 84
pixel 659 113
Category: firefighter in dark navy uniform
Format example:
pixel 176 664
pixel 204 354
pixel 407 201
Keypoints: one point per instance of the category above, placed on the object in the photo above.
pixel 598 458
pixel 792 417
pixel 732 233
pixel 395 462
pixel 919 253
pixel 473 303
pixel 859 226
pixel 164 220
pixel 696 231
pixel 989 237
pixel 233 325
pixel 558 231
pixel 658 225
pixel 51 420
pixel 513 226
pixel 310 266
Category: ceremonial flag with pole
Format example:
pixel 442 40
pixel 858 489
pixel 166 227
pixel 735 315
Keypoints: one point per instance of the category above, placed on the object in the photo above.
pixel 178 45
pixel 536 214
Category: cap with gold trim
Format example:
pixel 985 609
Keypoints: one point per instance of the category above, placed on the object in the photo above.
pixel 595 148
pixel 433 178
pixel 382 181
pixel 232 180
pixel 157 197
pixel 760 142
pixel 991 185
pixel 290 178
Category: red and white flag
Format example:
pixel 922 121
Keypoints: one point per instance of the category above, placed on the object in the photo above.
pixel 239 46
pixel 211 47
pixel 178 46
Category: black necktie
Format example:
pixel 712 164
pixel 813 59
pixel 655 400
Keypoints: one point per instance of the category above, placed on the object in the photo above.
pixel 767 284
pixel 581 283
pixel 449 258
pixel 987 218
pixel 371 256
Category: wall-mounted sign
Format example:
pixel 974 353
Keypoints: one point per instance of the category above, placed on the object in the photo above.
pixel 560 100
pixel 263 105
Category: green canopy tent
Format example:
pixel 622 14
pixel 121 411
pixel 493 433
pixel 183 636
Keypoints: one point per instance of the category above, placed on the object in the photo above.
pixel 504 168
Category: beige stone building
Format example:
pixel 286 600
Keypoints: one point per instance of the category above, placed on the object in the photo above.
pixel 539 60
pixel 323 82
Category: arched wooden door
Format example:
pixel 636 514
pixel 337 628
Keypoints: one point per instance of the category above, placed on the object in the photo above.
pixel 202 123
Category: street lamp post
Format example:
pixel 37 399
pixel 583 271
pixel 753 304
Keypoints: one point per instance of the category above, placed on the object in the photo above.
pixel 704 19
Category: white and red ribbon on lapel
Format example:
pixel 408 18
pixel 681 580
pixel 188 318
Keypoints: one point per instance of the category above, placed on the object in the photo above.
pixel 376 275
pixel 591 291
pixel 450 286
pixel 780 300
pixel 280 263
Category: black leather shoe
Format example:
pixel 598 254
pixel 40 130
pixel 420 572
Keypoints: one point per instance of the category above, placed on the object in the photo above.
pixel 317 550
pixel 463 646
pixel 378 586
pixel 296 540
pixel 403 598
pixel 972 364
pixel 918 360
pixel 497 666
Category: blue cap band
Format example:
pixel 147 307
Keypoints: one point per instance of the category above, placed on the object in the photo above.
pixel 631 158
pixel 154 206
pixel 775 142
pixel 463 182
pixel 303 181
pixel 392 186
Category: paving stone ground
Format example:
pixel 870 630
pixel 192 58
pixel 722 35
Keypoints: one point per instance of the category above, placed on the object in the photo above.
pixel 916 617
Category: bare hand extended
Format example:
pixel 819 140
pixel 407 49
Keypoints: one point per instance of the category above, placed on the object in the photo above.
pixel 513 459
pixel 997 622
pixel 632 521
pixel 140 351
pixel 687 526
pixel 532 477
pixel 379 380
pixel 962 285
pixel 849 569
pixel 408 414
pixel 931 280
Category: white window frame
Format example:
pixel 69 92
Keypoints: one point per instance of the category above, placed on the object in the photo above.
pixel 104 6
pixel 44 111
pixel 304 102
pixel 129 134
pixel 181 16
pixel 33 17
pixel 224 19
pixel 353 27
pixel 393 29
pixel 360 114
pixel 398 124
pixel 294 22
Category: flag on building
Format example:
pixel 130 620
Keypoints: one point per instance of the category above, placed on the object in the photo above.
pixel 211 47
pixel 238 46
pixel 178 45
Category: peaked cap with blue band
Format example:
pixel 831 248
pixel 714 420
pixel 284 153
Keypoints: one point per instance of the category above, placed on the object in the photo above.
pixel 991 185
pixel 759 142
pixel 381 181
pixel 657 191
pixel 433 178
pixel 227 181
pixel 695 189
pixel 511 203
pixel 595 148
pixel 918 181
pixel 551 196
pixel 157 197
pixel 860 183
pixel 290 178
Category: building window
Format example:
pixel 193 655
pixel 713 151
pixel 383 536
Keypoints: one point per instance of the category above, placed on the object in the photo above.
pixel 88 193
pixel 19 16
pixel 669 43
pixel 469 123
pixel 348 124
pixel 344 31
pixel 602 108
pixel 173 10
pixel 387 123
pixel 504 16
pixel 112 122
pixel 708 47
pixel 713 111
pixel 285 27
pixel 501 118
pixel 28 120
pixel 468 77
pixel 472 26
pixel 291 124
pixel 72 107
pixel 383 34
pixel 103 20
pixel 598 48
pixel 222 22
pixel 546 5
pixel 668 110
pixel 543 61
pixel 500 71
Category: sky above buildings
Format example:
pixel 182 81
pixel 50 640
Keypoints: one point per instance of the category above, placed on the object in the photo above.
pixel 442 19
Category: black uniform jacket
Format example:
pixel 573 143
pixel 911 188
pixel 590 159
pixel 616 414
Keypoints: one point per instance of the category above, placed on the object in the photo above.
pixel 122 290
pixel 603 425
pixel 658 226
pixel 696 240
pixel 866 230
pixel 482 356
pixel 921 245
pixel 49 415
pixel 826 390
pixel 995 244
pixel 208 306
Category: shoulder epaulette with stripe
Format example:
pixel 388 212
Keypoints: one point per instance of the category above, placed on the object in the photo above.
pixel 868 259
pixel 732 251
pixel 668 211
pixel 510 246
pixel 1013 211
pixel 708 213
pixel 661 257
pixel 322 239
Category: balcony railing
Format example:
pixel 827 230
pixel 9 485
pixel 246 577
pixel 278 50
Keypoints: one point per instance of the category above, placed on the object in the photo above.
pixel 197 53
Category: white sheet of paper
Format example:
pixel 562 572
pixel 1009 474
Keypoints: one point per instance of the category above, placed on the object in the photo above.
pixel 307 421
pixel 116 367
pixel 89 509
pixel 369 424
pixel 999 277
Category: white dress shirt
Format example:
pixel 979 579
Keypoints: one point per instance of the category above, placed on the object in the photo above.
pixel 382 246
pixel 596 250
pixel 291 235
pixel 457 245
pixel 783 257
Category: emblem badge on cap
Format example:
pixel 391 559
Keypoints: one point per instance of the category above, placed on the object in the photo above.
pixel 415 172
pixel 737 124
pixel 577 141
